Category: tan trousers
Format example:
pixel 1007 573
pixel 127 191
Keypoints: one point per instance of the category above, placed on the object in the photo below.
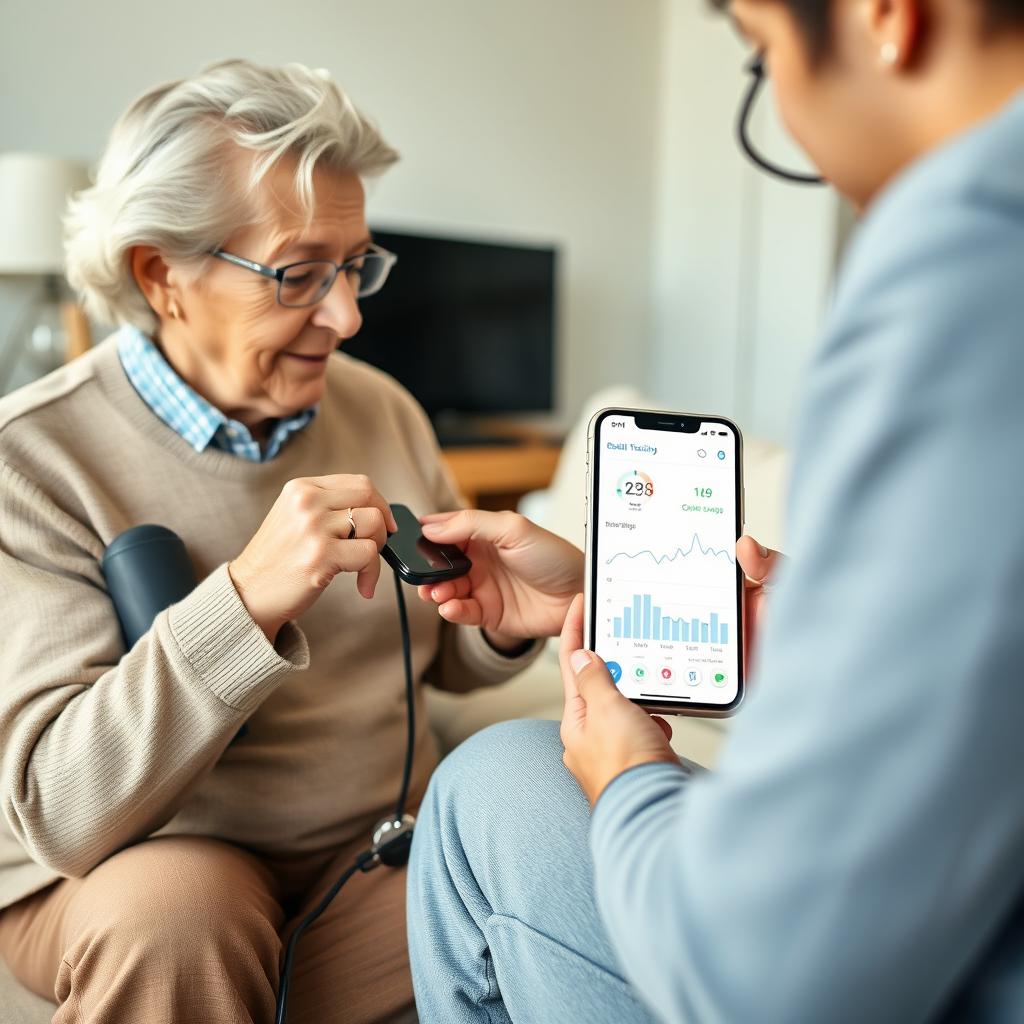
pixel 187 929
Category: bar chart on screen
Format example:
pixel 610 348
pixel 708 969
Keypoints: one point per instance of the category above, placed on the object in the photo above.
pixel 642 619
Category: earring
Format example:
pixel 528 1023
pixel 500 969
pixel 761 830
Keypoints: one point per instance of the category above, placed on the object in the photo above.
pixel 889 54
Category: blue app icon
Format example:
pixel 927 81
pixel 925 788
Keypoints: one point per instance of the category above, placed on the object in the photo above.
pixel 721 455
pixel 616 670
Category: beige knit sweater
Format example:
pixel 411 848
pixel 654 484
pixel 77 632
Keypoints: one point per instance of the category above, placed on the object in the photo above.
pixel 100 748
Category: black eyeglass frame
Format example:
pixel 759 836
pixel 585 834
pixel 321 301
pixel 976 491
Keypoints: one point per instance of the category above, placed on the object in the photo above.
pixel 756 68
pixel 278 273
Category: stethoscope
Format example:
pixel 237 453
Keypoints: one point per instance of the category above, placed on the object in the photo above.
pixel 756 68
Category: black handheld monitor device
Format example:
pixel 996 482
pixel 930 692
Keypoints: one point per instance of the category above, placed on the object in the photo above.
pixel 418 560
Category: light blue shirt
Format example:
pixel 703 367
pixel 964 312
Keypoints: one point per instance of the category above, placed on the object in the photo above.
pixel 186 412
pixel 858 854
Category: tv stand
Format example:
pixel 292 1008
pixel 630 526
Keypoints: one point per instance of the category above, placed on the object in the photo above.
pixel 456 438
pixel 495 477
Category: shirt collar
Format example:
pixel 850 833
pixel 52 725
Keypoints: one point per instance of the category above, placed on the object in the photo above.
pixel 187 413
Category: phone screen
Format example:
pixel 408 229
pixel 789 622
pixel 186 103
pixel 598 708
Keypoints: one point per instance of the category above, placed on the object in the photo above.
pixel 666 593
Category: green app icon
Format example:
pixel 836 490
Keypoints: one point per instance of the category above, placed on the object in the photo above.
pixel 720 679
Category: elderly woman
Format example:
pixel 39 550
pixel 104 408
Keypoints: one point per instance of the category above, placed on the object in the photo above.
pixel 150 857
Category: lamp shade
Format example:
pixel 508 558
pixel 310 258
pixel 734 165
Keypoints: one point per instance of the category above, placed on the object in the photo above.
pixel 33 193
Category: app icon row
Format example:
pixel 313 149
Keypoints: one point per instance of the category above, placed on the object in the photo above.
pixel 667 675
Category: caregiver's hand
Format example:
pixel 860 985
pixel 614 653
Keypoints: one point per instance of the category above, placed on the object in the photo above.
pixel 758 563
pixel 305 542
pixel 523 577
pixel 603 732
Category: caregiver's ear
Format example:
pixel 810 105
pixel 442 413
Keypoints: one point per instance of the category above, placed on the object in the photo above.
pixel 890 29
pixel 157 280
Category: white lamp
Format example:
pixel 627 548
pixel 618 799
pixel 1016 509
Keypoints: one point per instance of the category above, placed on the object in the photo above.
pixel 33 194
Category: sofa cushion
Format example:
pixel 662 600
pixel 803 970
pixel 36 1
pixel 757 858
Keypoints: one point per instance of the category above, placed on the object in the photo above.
pixel 18 1005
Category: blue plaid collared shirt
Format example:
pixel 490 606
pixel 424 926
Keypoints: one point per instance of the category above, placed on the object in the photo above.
pixel 188 413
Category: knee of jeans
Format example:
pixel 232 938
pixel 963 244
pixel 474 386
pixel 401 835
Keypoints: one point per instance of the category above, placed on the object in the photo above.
pixel 177 894
pixel 495 765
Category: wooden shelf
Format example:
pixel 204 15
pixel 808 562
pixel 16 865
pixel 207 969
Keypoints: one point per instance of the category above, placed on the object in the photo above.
pixel 496 477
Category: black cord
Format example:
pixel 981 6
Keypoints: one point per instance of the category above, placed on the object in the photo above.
pixel 368 859
pixel 289 956
pixel 410 700
pixel 756 68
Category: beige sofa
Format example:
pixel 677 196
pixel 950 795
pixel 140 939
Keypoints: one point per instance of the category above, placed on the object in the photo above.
pixel 536 693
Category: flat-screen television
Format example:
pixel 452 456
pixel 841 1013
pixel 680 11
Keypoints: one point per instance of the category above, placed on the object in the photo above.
pixel 467 326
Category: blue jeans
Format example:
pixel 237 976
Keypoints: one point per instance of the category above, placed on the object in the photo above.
pixel 503 924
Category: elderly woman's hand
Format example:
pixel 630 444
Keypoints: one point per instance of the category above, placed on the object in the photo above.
pixel 305 541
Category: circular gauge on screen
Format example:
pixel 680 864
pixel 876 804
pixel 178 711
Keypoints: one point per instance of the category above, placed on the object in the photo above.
pixel 635 488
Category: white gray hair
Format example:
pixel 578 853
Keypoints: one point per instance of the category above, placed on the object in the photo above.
pixel 166 178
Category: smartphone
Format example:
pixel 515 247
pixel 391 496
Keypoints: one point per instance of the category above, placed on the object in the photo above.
pixel 418 560
pixel 663 590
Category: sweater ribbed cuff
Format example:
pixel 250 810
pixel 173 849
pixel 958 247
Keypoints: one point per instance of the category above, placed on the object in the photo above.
pixel 486 663
pixel 225 647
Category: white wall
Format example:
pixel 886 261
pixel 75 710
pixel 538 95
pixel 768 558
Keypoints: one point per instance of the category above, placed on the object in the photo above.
pixel 533 120
pixel 742 263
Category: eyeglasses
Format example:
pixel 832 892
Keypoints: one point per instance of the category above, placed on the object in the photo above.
pixel 307 282
pixel 756 69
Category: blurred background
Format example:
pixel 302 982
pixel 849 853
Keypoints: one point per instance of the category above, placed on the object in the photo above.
pixel 581 152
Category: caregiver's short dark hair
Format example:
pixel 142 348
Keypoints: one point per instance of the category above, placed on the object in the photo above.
pixel 813 15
